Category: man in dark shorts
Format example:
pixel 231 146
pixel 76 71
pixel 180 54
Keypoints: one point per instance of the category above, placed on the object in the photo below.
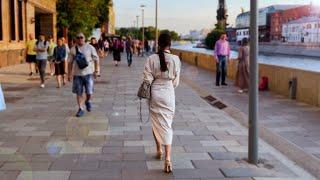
pixel 83 79
pixel 31 54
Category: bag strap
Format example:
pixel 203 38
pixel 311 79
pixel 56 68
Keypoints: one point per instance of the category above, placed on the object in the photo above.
pixel 77 50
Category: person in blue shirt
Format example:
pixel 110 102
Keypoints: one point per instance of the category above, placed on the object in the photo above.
pixel 42 56
pixel 59 57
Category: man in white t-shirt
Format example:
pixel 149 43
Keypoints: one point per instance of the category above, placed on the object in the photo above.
pixel 83 79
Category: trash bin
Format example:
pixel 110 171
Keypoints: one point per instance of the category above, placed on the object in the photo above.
pixel 293 88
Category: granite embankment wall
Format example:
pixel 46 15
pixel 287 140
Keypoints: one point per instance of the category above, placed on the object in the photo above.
pixel 297 51
pixel 308 86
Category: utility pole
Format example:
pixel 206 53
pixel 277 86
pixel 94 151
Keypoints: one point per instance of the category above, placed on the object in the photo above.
pixel 142 9
pixel 156 26
pixel 137 22
pixel 254 79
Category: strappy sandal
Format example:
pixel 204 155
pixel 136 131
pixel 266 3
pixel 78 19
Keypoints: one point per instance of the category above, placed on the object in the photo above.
pixel 168 166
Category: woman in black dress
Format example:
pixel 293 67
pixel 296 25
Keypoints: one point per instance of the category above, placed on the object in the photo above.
pixel 116 51
pixel 59 57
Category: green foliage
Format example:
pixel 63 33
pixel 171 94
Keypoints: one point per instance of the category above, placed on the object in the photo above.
pixel 149 33
pixel 82 15
pixel 174 35
pixel 103 12
pixel 213 37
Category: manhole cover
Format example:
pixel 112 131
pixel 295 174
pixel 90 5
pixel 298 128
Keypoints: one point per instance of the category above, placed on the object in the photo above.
pixel 12 99
pixel 210 98
pixel 219 105
pixel 17 88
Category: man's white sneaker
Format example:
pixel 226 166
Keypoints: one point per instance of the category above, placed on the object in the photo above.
pixel 42 85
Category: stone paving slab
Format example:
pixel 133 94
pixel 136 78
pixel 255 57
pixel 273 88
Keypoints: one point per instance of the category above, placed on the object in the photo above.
pixel 112 142
pixel 277 113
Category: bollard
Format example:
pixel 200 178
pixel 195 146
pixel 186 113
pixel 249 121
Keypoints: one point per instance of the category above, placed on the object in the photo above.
pixel 196 61
pixel 293 88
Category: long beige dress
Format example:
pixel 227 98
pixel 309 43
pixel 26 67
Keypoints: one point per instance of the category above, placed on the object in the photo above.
pixel 162 103
pixel 242 76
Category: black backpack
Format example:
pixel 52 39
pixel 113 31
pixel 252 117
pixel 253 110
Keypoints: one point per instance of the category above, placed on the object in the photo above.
pixel 81 60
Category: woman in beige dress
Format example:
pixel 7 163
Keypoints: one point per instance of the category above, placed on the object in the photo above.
pixel 242 76
pixel 162 70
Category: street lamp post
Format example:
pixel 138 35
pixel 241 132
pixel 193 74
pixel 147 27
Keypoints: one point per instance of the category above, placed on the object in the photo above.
pixel 137 22
pixel 156 26
pixel 254 78
pixel 142 9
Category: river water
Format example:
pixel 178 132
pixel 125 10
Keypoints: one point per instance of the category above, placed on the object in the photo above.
pixel 303 63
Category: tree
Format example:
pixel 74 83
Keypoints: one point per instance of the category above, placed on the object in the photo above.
pixel 174 35
pixel 82 15
pixel 103 9
pixel 149 33
pixel 213 37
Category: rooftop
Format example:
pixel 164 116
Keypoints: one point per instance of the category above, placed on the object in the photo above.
pixel 305 19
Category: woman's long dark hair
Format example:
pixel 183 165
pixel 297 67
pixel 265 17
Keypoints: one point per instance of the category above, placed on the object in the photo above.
pixel 164 41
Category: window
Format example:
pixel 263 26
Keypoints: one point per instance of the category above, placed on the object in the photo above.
pixel 309 26
pixel 1 35
pixel 20 20
pixel 12 33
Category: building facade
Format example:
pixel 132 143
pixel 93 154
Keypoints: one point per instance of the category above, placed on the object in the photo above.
pixel 305 30
pixel 243 22
pixel 110 26
pixel 279 18
pixel 19 18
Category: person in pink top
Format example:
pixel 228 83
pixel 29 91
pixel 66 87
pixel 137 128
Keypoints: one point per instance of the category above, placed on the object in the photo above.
pixel 222 53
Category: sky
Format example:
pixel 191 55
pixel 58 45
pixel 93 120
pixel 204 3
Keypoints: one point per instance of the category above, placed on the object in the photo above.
pixel 185 15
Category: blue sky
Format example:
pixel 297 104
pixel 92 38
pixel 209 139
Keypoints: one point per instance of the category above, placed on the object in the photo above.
pixel 185 15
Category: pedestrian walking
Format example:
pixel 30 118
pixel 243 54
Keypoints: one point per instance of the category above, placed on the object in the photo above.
pixel 66 45
pixel 139 49
pixel 31 54
pixel 42 56
pixel 84 63
pixel 146 46
pixel 116 51
pixel 162 71
pixel 242 76
pixel 95 44
pixel 59 60
pixel 129 50
pixel 222 53
pixel 106 45
pixel 52 45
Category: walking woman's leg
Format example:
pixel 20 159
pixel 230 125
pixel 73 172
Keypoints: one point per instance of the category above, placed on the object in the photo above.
pixel 159 149
pixel 168 152
pixel 168 163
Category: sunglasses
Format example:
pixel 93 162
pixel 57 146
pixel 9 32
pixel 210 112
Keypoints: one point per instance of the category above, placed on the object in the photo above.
pixel 80 37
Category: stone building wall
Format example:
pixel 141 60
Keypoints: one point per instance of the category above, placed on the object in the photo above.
pixel 13 51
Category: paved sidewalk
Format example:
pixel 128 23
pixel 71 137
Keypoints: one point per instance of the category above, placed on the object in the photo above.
pixel 295 122
pixel 40 138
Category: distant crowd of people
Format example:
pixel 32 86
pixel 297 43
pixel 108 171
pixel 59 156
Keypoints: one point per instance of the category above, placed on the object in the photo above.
pixel 131 47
